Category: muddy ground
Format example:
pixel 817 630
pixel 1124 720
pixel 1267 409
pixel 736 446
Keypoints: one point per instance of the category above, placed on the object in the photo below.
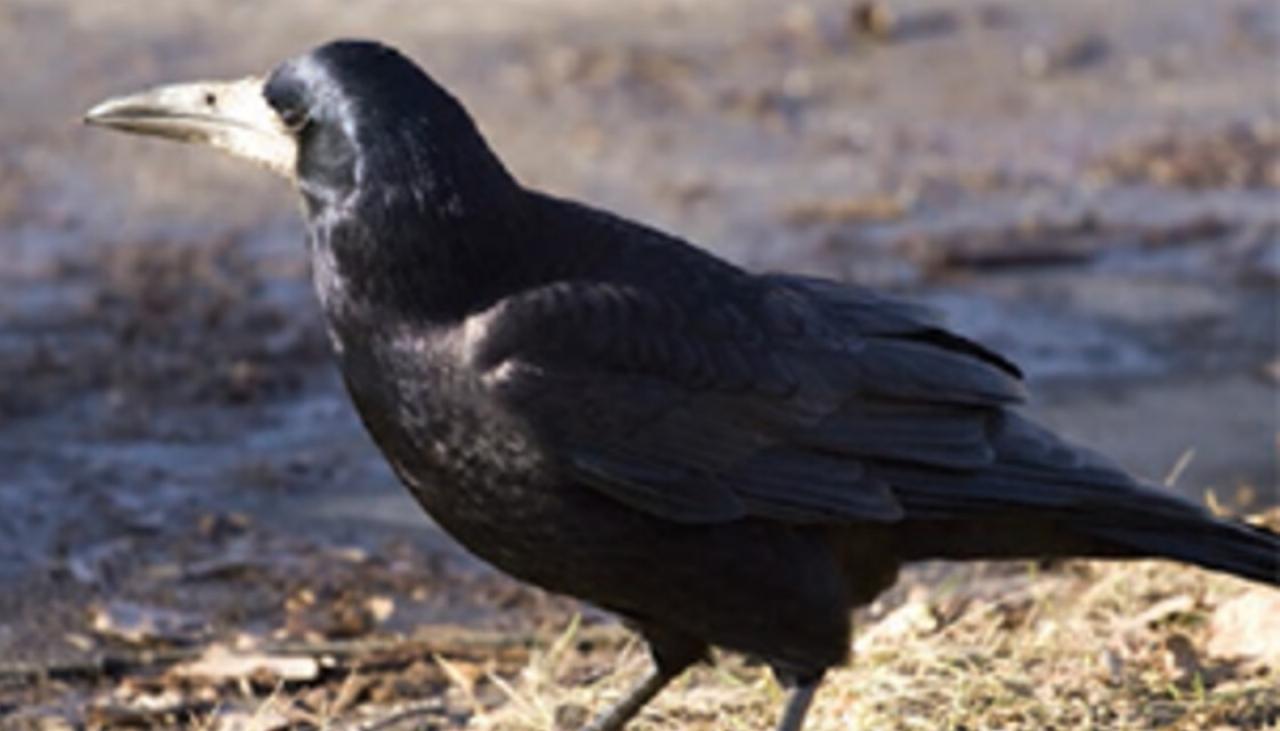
pixel 1089 187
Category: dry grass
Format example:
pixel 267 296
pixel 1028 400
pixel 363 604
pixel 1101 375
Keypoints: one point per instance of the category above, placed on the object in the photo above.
pixel 1085 646
pixel 1080 645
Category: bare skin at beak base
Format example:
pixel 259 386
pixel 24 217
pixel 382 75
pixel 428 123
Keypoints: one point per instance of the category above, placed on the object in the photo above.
pixel 232 116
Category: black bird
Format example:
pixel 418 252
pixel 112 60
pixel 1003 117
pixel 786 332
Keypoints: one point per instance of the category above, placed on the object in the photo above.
pixel 604 410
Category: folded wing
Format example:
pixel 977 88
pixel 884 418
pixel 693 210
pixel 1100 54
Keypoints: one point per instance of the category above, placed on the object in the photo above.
pixel 764 401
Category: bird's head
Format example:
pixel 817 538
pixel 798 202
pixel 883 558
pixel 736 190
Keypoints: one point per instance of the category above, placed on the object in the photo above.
pixel 346 116
pixel 405 204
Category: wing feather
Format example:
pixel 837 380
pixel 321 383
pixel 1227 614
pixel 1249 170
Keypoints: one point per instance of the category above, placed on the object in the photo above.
pixel 753 404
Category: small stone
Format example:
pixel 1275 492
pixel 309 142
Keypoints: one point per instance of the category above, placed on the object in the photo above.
pixel 1247 627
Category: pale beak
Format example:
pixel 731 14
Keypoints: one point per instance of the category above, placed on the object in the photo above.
pixel 230 115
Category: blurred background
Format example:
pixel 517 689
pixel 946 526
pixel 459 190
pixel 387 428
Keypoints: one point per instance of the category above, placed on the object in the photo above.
pixel 1088 186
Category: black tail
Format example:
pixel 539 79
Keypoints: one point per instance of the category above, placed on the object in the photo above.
pixel 1202 539
pixel 1194 537
pixel 1042 497
pixel 1222 545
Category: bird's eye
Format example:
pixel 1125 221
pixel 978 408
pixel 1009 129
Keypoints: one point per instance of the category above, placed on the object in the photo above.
pixel 294 118
pixel 210 99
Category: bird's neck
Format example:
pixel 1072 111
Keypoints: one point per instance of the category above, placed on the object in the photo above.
pixel 417 252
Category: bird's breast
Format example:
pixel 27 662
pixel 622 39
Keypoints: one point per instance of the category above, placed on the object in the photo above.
pixel 463 457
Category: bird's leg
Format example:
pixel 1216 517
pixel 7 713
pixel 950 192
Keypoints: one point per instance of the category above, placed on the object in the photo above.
pixel 672 653
pixel 797 707
pixel 802 687
pixel 617 715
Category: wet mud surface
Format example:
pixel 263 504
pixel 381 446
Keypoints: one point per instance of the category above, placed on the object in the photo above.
pixel 1087 187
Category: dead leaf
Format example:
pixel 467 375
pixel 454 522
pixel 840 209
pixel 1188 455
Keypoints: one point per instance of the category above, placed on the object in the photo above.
pixel 913 618
pixel 1113 661
pixel 1271 371
pixel 140 624
pixel 219 663
pixel 136 708
pixel 260 719
pixel 79 641
pixel 380 608
pixel 1181 659
pixel 1161 611
pixel 88 565
pixel 847 210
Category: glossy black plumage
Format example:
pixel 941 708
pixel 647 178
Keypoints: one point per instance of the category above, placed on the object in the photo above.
pixel 606 411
